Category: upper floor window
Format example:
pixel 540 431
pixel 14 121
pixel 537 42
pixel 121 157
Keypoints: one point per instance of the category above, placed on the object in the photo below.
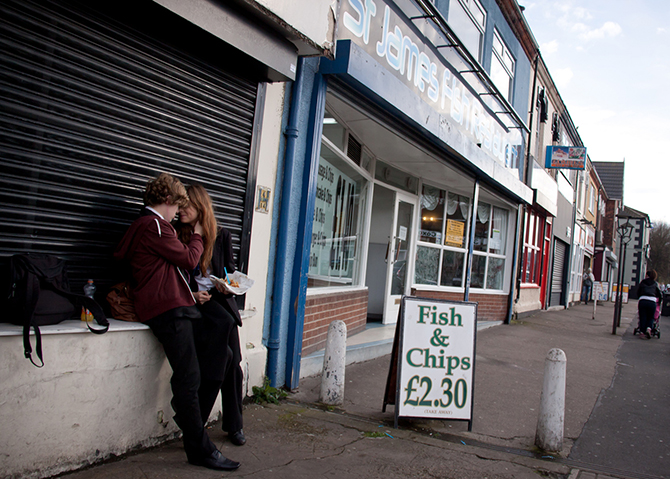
pixel 592 199
pixel 502 66
pixel 468 19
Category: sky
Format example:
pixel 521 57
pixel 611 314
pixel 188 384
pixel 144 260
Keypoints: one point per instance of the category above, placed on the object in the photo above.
pixel 610 60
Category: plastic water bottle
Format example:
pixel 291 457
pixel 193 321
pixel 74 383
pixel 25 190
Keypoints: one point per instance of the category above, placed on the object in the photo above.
pixel 89 291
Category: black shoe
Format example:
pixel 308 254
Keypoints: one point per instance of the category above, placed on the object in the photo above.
pixel 216 461
pixel 237 438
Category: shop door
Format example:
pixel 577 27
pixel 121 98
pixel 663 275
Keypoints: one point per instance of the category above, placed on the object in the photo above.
pixel 546 246
pixel 389 258
pixel 398 258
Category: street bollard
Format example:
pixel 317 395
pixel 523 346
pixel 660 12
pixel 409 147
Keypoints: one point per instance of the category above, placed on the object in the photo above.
pixel 549 433
pixel 595 304
pixel 334 360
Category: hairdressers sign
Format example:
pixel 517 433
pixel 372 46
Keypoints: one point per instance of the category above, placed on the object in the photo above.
pixel 387 36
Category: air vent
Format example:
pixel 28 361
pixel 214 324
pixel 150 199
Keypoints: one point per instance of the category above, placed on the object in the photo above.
pixel 354 150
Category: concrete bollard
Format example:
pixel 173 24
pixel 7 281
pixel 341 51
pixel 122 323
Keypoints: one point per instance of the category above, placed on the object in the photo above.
pixel 334 360
pixel 549 433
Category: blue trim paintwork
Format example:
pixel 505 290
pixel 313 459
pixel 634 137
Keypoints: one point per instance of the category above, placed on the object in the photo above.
pixel 299 283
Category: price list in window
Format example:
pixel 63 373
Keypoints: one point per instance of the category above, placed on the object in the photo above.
pixel 436 359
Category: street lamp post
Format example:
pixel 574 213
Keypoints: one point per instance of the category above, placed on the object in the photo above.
pixel 625 233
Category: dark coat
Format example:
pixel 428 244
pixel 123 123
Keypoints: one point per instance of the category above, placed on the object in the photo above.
pixel 223 256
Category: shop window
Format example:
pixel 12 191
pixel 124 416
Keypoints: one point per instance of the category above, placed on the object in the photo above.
pixel 395 177
pixel 502 67
pixel 532 251
pixel 467 18
pixel 443 242
pixel 339 215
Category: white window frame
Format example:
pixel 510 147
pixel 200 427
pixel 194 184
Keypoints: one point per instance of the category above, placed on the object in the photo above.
pixel 503 55
pixel 470 6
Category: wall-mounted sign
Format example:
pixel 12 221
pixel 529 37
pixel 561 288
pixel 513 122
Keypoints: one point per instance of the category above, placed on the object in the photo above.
pixel 568 157
pixel 263 199
pixel 397 44
pixel 435 354
pixel 590 239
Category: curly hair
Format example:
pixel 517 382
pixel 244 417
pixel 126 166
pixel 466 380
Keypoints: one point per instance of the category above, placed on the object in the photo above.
pixel 165 188
pixel 202 202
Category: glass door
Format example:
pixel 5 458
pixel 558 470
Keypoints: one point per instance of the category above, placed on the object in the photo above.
pixel 398 256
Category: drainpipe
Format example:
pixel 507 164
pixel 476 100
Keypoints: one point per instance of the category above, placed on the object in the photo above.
pixel 296 318
pixel 283 267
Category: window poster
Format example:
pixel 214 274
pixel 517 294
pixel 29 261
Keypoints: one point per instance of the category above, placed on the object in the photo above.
pixel 436 359
pixel 334 229
pixel 455 233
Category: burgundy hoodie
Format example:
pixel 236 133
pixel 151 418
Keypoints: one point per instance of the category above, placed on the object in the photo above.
pixel 155 255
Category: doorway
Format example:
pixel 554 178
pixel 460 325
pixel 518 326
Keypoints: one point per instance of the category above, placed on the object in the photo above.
pixel 389 253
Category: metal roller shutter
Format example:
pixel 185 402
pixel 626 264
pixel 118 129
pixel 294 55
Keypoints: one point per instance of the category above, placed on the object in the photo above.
pixel 557 273
pixel 90 109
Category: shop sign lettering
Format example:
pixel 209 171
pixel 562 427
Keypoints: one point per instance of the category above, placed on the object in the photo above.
pixel 387 36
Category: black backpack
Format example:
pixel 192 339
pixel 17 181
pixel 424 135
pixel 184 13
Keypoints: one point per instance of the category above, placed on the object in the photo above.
pixel 39 294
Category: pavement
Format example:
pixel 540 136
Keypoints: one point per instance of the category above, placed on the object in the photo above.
pixel 300 438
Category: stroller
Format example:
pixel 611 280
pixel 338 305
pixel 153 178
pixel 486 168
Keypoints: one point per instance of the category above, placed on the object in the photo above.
pixel 656 325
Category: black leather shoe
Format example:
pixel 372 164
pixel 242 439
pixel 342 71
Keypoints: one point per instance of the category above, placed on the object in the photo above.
pixel 237 438
pixel 217 461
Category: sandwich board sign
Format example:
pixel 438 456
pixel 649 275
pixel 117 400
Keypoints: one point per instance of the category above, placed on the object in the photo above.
pixel 433 360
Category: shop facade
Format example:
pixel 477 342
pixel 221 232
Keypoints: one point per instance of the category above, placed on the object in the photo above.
pixel 416 175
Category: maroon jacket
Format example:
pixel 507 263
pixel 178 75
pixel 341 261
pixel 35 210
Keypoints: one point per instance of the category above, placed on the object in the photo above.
pixel 155 255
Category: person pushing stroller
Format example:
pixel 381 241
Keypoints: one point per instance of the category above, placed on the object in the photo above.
pixel 649 298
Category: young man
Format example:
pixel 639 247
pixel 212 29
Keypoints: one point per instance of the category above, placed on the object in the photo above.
pixel 163 301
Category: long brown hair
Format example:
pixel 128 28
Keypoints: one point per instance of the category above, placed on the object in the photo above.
pixel 200 200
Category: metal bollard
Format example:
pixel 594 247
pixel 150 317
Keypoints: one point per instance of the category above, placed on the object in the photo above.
pixel 549 433
pixel 332 378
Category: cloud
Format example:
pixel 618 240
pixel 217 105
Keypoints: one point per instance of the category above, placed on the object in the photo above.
pixel 550 47
pixel 609 29
pixel 562 77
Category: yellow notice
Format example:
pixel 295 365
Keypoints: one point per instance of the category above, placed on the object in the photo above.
pixel 455 232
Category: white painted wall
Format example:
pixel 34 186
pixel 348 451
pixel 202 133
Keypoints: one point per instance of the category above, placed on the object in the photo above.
pixel 315 19
pixel 96 396
pixel 254 353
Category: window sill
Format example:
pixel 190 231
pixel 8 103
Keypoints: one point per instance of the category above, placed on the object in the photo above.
pixel 529 286
pixel 75 326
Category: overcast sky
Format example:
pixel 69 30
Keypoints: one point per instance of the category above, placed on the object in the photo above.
pixel 610 60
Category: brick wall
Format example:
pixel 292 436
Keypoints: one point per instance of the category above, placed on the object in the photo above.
pixel 321 310
pixel 491 307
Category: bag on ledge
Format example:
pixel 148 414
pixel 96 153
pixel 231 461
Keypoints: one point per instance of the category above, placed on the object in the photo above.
pixel 39 294
pixel 121 302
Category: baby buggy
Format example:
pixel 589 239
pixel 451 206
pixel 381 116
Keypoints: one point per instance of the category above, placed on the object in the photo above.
pixel 656 326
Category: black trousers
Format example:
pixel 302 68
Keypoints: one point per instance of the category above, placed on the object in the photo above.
pixel 192 349
pixel 646 309
pixel 229 356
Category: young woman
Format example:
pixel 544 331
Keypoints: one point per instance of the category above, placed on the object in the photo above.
pixel 219 310
pixel 163 301
pixel 648 294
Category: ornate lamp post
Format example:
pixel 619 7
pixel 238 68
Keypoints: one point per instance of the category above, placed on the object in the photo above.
pixel 625 235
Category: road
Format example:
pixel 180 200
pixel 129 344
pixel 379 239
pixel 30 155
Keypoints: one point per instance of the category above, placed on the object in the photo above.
pixel 629 428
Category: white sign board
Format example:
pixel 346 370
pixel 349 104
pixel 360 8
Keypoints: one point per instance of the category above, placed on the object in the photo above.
pixel 436 360
pixel 600 290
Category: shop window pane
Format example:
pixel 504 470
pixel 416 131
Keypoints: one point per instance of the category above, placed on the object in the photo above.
pixel 338 217
pixel 478 271
pixel 427 262
pixel 482 227
pixel 452 268
pixel 458 212
pixel 333 131
pixel 498 231
pixel 494 275
pixel 432 213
